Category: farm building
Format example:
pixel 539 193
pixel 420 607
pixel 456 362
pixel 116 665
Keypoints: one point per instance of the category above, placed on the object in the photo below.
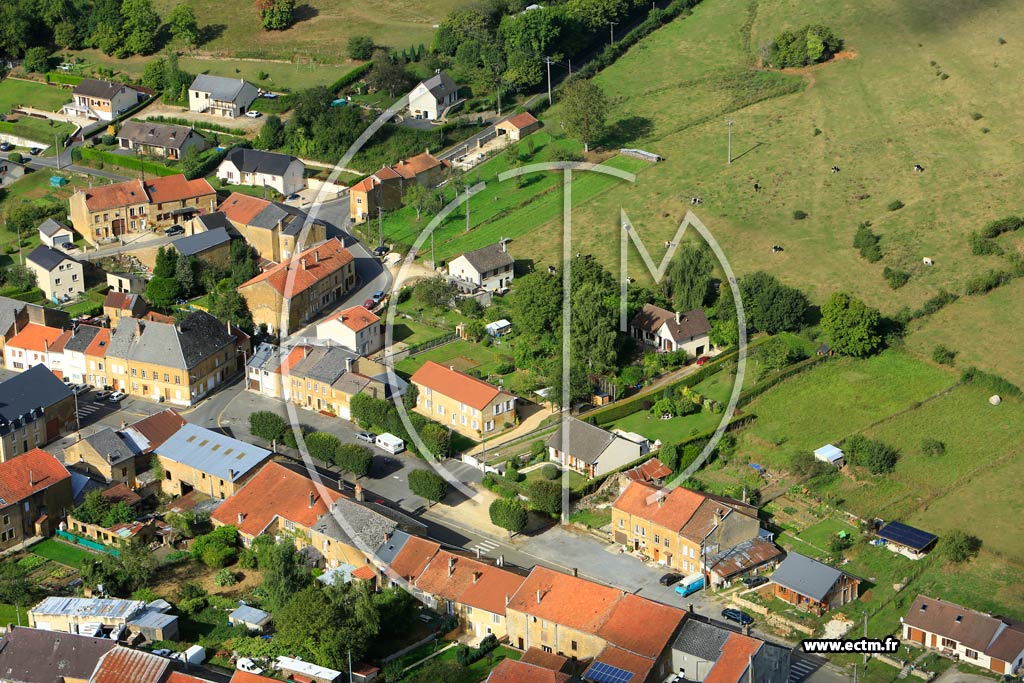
pixel 906 540
pixel 830 454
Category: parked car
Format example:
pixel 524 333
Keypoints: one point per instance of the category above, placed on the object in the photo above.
pixel 80 389
pixel 117 396
pixel 669 579
pixel 162 652
pixel 253 114
pixel 270 95
pixel 739 616
pixel 368 437
pixel 752 581
pixel 103 395
pixel 703 359
pixel 294 196
pixel 380 251
pixel 370 304
pixel 379 295
pixel 6 147
pixel 247 665
pixel 174 230
pixel 35 151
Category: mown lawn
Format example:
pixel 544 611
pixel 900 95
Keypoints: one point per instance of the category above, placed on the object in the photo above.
pixel 41 131
pixel 17 93
pixel 821 534
pixel 466 355
pixel 718 387
pixel 62 552
pixel 9 615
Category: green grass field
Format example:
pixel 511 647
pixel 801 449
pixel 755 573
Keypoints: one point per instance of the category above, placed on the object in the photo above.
pixel 17 93
pixel 41 131
pixel 821 534
pixel 65 553
pixel 717 386
pixel 465 355
pixel 10 615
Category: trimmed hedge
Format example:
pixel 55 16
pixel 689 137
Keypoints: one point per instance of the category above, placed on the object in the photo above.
pixel 124 161
pixel 201 125
pixel 351 77
pixel 63 78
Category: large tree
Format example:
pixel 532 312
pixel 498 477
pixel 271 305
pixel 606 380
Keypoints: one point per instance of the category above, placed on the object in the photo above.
pixel 183 25
pixel 276 15
pixel 387 74
pixel 353 458
pixel 326 624
pixel 272 134
pixel 140 26
pixel 687 281
pixel 771 306
pixel 584 107
pixel 851 325
pixel 509 514
pixel 428 484
pixel 282 571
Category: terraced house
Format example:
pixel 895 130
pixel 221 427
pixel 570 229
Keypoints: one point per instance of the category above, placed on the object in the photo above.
pixel 35 409
pixel 292 293
pixel 179 363
pixel 468 405
pixel 276 231
pixel 326 379
pixel 680 528
pixel 35 494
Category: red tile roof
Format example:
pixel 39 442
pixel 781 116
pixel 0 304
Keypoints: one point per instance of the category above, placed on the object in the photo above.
pixel 413 557
pixel 120 492
pixel 413 166
pixel 734 660
pixel 364 185
pixel 34 337
pixel 125 665
pixel 364 573
pixel 291 278
pixel 449 382
pixel 29 473
pixel 641 626
pixel 387 173
pixel 176 188
pixel 511 671
pixel 242 208
pixel 652 469
pixel 547 660
pixel 58 344
pixel 671 510
pixel 159 427
pixel 155 317
pixel 275 491
pixel 120 300
pixel 356 318
pixel 522 120
pixel 470 582
pixel 98 346
pixel 178 677
pixel 115 196
pixel 566 600
pixel 246 677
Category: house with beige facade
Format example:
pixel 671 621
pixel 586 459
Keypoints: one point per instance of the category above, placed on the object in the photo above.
pixel 356 328
pixel 35 494
pixel 384 189
pixel 468 405
pixel 198 459
pixel 276 231
pixel 592 451
pixel 100 100
pixel 292 293
pixel 665 331
pixel 325 378
pixel 37 408
pixel 165 140
pixel 59 275
pixel 489 269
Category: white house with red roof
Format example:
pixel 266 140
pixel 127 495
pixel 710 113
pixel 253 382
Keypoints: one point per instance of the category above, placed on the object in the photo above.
pixel 356 328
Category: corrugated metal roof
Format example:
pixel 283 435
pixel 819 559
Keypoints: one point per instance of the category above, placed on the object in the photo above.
pixel 125 665
pixel 208 451
pixel 104 608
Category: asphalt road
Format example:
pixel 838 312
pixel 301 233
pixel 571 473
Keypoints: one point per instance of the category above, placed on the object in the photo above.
pixel 50 163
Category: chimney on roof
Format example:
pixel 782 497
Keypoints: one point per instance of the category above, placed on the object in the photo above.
pixel 452 368
pixel 538 596
pixel 302 262
pixel 478 552
pixel 31 478
pixel 241 518
pixel 501 560
pixel 501 243
pixel 359 493
pixel 507 599
pixel 476 576
pixel 312 499
pixel 451 566
pixel 348 364
pixel 231 475
pixel 679 317
pixel 718 516
pixel 575 571
pixel 316 255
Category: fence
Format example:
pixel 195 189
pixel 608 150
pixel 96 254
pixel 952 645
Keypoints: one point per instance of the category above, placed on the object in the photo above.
pixel 86 543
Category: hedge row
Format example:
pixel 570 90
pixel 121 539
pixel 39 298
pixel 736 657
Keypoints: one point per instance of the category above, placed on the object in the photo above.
pixel 199 125
pixel 785 374
pixel 63 78
pixel 122 160
pixel 31 296
pixel 351 77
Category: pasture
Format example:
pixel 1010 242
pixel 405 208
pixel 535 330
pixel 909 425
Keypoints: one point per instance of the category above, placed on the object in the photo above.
pixel 16 93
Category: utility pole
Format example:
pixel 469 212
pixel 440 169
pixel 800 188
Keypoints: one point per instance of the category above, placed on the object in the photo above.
pixel 467 211
pixel 547 60
pixel 570 68
pixel 56 146
pixel 380 224
pixel 433 263
pixel 728 123
pixel 865 638
pixel 613 24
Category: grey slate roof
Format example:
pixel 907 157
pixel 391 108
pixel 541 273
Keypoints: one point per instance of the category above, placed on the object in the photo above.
pixel 101 90
pixel 265 357
pixel 389 550
pixel 29 655
pixel 153 619
pixel 214 220
pixel 806 576
pixel 50 227
pixel 258 161
pixel 110 446
pixel 157 134
pixel 440 84
pixel 324 363
pixel 34 389
pixel 586 442
pixel 45 257
pixel 216 454
pixel 701 640
pixel 81 338
pixel 274 214
pixel 183 346
pixel 369 527
pixel 200 242
pixel 489 258
pixel 225 89
pixel 9 310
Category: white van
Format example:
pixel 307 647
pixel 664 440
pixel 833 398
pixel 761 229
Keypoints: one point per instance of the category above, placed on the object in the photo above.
pixel 390 443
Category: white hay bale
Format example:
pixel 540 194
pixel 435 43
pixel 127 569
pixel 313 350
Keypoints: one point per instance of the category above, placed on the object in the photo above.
pixel 994 399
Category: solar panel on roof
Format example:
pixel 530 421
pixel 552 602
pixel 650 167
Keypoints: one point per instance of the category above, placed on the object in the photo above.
pixel 900 533
pixel 599 672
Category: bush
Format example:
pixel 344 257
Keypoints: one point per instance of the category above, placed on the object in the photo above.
pixel 354 458
pixel 943 355
pixel 810 44
pixel 217 549
pixel 537 448
pixel 512 472
pixel 322 446
pixel 428 484
pixel 509 514
pixel 470 307
pixel 16 157
pixel 994 383
pixel 225 577
pixel 799 215
pixel 895 205
pixel 267 425
pixel 936 303
pixel 982 284
pixel 360 47
pixel 549 472
pixel 896 278
pixel 960 546
pixel 875 456
pixel 933 447
pixel 545 496
pixel 868 243
pixel 980 246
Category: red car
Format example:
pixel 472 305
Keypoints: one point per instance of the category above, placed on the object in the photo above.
pixel 703 359
pixel 369 304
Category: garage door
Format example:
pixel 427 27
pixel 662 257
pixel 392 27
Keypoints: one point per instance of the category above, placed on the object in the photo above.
pixel 344 412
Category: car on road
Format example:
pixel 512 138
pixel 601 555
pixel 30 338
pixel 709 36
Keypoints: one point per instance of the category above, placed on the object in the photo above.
pixel 162 652
pixel 117 396
pixel 379 295
pixel 669 579
pixel 247 665
pixel 35 151
pixel 102 395
pixel 253 114
pixel 739 616
pixel 6 147
pixel 381 251
pixel 292 197
pixel 703 359
pixel 370 304
pixel 368 437
pixel 80 389
pixel 174 230
pixel 752 581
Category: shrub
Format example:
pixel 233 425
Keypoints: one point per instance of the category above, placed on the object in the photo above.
pixel 537 448
pixel 545 496
pixel 799 215
pixel 549 472
pixel 976 115
pixel 875 456
pixel 218 548
pixel 895 205
pixel 512 472
pixel 322 446
pixel 1002 225
pixel 428 484
pixel 943 355
pixel 936 303
pixel 15 157
pixel 837 544
pixel 810 44
pixel 267 425
pixel 980 246
pixel 867 242
pixel 509 514
pixel 960 546
pixel 896 278
pixel 225 577
pixel 981 284
pixel 994 383
pixel 360 47
pixel 932 447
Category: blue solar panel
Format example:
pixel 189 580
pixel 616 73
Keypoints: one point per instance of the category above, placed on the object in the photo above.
pixel 900 533
pixel 599 672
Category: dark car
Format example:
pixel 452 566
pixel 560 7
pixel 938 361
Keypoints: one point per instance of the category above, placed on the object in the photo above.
pixel 102 395
pixel 6 147
pixel 174 230
pixel 35 151
pixel 368 437
pixel 739 616
pixel 669 579
pixel 380 251
pixel 752 581
pixel 292 197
